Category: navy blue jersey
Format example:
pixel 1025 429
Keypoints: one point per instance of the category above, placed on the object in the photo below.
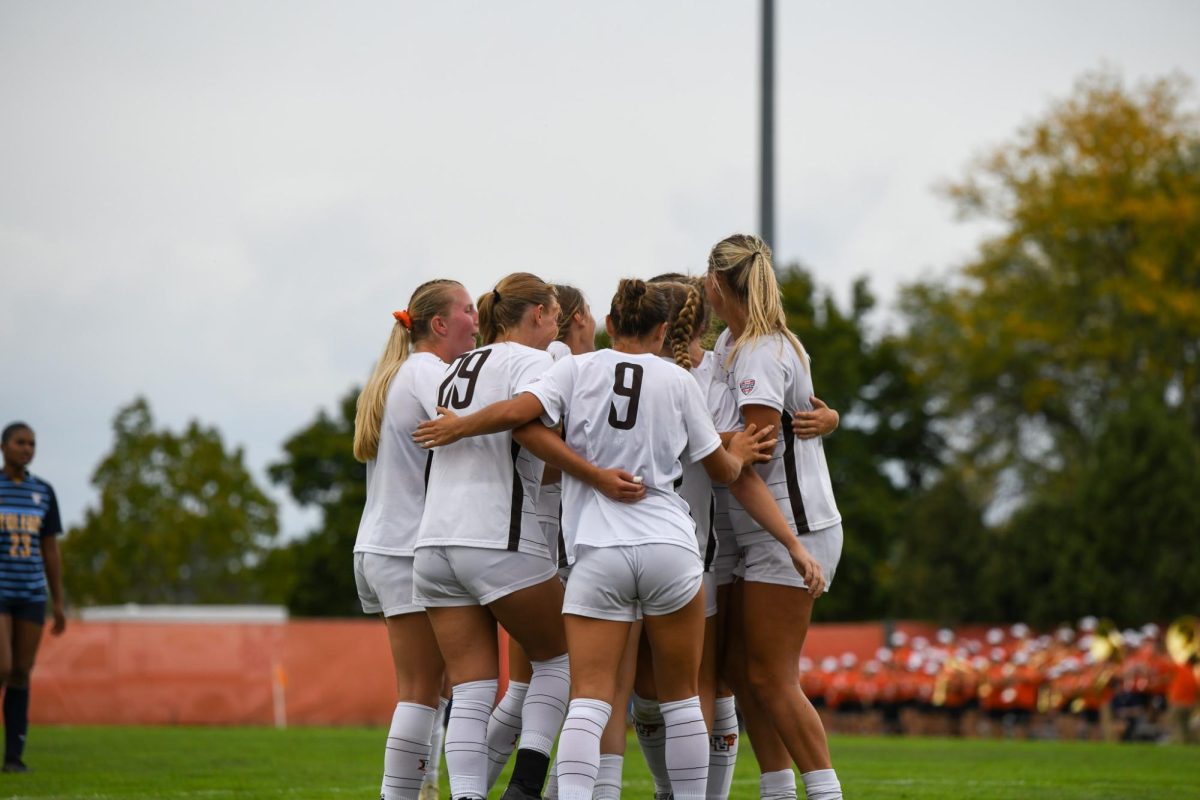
pixel 28 511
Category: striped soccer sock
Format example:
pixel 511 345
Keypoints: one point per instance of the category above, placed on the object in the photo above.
pixel 407 753
pixel 687 748
pixel 579 748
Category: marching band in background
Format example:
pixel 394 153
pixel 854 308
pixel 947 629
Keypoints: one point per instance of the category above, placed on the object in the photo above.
pixel 1086 682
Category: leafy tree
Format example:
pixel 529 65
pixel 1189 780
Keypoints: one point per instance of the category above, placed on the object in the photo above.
pixel 180 520
pixel 1091 288
pixel 942 553
pixel 1063 361
pixel 883 451
pixel 319 471
pixel 1113 537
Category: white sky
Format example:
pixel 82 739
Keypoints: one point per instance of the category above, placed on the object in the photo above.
pixel 219 204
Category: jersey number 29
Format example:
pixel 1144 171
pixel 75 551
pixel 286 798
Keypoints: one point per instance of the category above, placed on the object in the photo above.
pixel 627 382
pixel 466 367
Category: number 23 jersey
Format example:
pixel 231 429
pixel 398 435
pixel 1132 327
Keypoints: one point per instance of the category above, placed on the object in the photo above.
pixel 638 413
pixel 483 490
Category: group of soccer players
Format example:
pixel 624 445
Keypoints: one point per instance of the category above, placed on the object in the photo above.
pixel 650 521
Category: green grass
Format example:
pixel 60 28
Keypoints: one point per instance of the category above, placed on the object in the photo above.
pixel 249 763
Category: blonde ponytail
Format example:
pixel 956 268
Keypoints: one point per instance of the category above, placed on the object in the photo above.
pixel 743 263
pixel 431 299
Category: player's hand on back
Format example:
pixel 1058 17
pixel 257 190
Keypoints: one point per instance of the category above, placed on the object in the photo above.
pixel 752 445
pixel 821 421
pixel 619 485
pixel 439 431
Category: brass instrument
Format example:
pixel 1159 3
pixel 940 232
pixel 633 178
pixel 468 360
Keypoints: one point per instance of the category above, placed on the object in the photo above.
pixel 1183 639
pixel 1107 645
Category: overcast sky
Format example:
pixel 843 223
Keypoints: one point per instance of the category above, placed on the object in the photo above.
pixel 218 205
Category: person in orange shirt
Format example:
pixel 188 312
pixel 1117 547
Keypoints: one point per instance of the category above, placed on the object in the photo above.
pixel 1182 696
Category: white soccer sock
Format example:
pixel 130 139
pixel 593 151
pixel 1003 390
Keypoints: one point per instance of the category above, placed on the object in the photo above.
pixel 687 748
pixel 822 784
pixel 551 790
pixel 722 749
pixel 579 748
pixel 545 704
pixel 778 785
pixel 652 736
pixel 407 751
pixel 504 726
pixel 608 779
pixel 433 769
pixel 466 738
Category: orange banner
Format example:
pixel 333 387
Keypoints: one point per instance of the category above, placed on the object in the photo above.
pixel 304 672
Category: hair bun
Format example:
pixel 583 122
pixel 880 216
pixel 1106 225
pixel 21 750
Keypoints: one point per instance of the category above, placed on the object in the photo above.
pixel 637 288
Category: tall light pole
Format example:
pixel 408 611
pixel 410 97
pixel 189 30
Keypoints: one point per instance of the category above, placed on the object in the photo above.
pixel 766 184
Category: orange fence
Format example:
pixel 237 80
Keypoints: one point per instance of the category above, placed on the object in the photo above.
pixel 313 672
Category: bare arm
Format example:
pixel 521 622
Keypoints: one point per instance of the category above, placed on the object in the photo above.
pixel 755 497
pixel 547 445
pixel 502 416
pixel 53 562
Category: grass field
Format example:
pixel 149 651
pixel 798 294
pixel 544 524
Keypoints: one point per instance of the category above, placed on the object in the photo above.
pixel 248 763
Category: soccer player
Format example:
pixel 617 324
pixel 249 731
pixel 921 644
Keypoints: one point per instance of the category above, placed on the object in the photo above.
pixel 576 334
pixel 767 371
pixel 29 563
pixel 439 325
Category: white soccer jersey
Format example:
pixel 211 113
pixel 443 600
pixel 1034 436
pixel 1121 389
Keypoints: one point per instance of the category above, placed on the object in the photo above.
pixel 639 413
pixel 483 490
pixel 396 476
pixel 697 488
pixel 768 372
pixel 549 505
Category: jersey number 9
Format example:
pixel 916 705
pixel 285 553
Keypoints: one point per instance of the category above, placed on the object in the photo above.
pixel 631 374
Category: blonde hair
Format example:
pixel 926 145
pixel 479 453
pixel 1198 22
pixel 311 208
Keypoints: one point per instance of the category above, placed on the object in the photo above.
pixel 743 264
pixel 431 299
pixel 689 314
pixel 503 308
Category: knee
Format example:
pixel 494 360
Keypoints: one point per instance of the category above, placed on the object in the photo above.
pixel 767 683
pixel 16 676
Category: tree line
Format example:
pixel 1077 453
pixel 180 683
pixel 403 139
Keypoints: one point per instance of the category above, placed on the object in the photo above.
pixel 1023 442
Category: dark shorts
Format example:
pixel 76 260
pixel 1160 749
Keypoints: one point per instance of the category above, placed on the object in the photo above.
pixel 29 611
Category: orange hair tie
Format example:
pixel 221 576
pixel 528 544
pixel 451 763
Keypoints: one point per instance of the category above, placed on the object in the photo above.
pixel 403 318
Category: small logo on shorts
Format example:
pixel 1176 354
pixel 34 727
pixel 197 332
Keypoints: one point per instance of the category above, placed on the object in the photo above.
pixel 747 386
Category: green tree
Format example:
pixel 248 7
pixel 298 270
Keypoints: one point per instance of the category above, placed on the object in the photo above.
pixel 880 457
pixel 941 554
pixel 1113 537
pixel 1063 360
pixel 180 520
pixel 1091 289
pixel 320 472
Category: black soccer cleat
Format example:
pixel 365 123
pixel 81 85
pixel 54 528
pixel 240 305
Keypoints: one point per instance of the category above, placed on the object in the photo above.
pixel 15 766
pixel 516 791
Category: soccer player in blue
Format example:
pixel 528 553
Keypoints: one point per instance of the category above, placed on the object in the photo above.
pixel 29 526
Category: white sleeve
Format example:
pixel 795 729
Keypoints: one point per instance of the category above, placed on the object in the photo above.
pixel 759 375
pixel 427 396
pixel 424 385
pixel 553 390
pixel 527 366
pixel 702 436
pixel 721 407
